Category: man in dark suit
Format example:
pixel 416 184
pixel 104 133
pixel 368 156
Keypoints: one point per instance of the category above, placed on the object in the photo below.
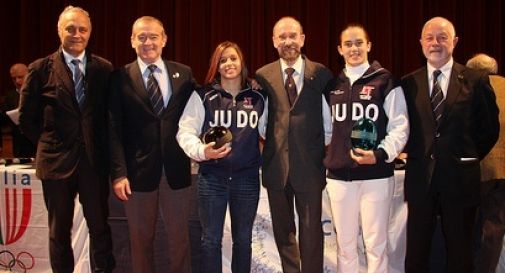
pixel 21 145
pixel 294 148
pixel 454 124
pixel 491 220
pixel 150 171
pixel 63 109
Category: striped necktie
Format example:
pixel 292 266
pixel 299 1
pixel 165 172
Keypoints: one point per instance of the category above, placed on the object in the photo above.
pixel 78 82
pixel 437 97
pixel 153 90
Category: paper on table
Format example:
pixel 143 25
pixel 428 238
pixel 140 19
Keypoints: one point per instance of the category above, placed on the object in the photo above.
pixel 14 115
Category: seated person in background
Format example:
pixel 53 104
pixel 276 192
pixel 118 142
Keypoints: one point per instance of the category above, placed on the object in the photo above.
pixel 21 145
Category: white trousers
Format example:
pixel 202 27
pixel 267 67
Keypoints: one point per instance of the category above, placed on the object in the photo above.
pixel 371 199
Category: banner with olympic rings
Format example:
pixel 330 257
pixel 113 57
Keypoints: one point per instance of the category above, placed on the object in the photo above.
pixel 23 225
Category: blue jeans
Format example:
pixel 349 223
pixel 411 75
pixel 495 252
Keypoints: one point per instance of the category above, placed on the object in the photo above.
pixel 214 194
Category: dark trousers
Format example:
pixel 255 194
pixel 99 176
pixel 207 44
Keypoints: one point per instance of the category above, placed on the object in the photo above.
pixel 142 210
pixel 59 196
pixel 195 228
pixel 309 252
pixel 457 227
pixel 491 226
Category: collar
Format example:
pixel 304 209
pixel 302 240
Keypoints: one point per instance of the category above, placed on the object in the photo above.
pixel 216 85
pixel 143 66
pixel 69 58
pixel 298 66
pixel 356 71
pixel 445 69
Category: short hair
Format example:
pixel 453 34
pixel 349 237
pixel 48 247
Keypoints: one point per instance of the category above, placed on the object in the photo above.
pixel 69 9
pixel 355 25
pixel 483 61
pixel 452 30
pixel 287 18
pixel 213 74
pixel 148 19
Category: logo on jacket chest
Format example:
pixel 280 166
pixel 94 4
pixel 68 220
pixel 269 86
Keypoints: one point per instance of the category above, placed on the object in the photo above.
pixel 248 103
pixel 243 118
pixel 366 92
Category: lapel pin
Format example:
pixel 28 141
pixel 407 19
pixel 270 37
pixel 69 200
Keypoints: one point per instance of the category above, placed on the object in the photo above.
pixel 175 75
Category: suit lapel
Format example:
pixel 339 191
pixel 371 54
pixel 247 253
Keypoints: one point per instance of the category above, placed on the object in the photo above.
pixel 62 71
pixel 274 77
pixel 423 96
pixel 66 92
pixel 89 74
pixel 308 75
pixel 175 82
pixel 137 83
pixel 277 80
pixel 453 89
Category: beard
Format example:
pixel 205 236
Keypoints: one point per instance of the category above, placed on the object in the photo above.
pixel 289 53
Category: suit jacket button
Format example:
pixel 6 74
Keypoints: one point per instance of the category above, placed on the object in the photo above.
pixel 432 156
pixel 437 135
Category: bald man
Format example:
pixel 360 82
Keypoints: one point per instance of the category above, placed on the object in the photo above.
pixel 293 171
pixel 454 124
pixel 21 145
pixel 485 62
pixel 18 72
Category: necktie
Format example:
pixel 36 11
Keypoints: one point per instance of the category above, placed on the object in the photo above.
pixel 153 90
pixel 78 82
pixel 437 97
pixel 290 85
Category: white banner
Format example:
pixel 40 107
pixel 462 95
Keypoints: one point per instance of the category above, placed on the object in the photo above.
pixel 266 258
pixel 23 225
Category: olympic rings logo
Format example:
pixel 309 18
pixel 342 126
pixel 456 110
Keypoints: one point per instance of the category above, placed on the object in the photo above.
pixel 24 261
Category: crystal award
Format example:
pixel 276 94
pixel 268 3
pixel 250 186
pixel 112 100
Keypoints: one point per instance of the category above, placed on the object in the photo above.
pixel 364 134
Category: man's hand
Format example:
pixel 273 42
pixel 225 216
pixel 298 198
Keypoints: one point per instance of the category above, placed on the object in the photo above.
pixel 255 85
pixel 121 187
pixel 363 157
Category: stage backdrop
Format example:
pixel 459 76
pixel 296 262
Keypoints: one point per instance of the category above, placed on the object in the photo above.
pixel 195 27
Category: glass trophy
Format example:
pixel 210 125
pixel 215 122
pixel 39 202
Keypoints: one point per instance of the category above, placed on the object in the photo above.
pixel 364 134
pixel 218 134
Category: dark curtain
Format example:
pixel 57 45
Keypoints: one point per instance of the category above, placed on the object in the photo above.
pixel 195 27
